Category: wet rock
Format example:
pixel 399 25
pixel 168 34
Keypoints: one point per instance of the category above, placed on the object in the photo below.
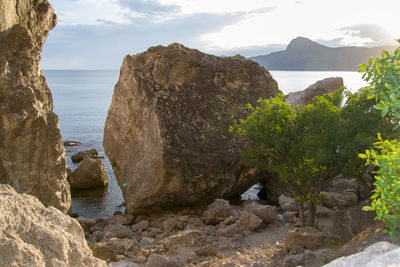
pixel 32 156
pixel 92 154
pixel 249 221
pixel 89 174
pixel 217 212
pixel 319 88
pixel 33 235
pixel 167 134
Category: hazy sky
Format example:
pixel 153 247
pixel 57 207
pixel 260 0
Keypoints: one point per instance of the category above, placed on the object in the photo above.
pixel 97 34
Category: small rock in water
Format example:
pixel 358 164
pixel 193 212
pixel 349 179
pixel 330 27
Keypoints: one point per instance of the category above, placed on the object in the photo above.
pixel 92 153
pixel 71 143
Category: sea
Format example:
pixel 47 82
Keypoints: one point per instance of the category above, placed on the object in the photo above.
pixel 81 100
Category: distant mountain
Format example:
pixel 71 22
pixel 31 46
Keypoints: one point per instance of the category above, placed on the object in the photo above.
pixel 307 55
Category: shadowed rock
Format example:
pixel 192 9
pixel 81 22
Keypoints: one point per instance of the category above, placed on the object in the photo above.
pixel 167 134
pixel 32 156
pixel 319 88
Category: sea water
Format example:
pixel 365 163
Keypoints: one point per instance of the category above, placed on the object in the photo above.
pixel 81 100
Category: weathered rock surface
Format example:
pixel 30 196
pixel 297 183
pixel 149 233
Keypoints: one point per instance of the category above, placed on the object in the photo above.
pixel 319 88
pixel 32 156
pixel 167 134
pixel 299 239
pixel 92 153
pixel 33 235
pixel 89 173
pixel 217 212
pixel 378 254
pixel 349 222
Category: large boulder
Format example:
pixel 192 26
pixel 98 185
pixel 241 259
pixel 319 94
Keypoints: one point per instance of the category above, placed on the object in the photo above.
pixel 378 254
pixel 166 133
pixel 319 88
pixel 32 156
pixel 33 235
pixel 89 173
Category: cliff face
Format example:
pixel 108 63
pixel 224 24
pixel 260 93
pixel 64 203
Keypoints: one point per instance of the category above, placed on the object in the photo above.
pixel 32 157
pixel 166 133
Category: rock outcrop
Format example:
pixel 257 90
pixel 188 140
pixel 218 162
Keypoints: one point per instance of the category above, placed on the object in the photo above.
pixel 167 134
pixel 319 88
pixel 89 173
pixel 33 235
pixel 32 156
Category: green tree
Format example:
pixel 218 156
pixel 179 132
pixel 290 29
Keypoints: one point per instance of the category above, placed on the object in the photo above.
pixel 308 146
pixel 383 76
pixel 298 143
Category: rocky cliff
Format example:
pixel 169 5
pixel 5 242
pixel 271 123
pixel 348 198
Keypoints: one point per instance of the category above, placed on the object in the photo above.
pixel 32 157
pixel 166 133
pixel 32 235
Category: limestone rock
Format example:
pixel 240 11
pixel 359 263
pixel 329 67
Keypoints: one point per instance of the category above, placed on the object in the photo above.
pixel 288 203
pixel 166 133
pixel 378 254
pixel 349 222
pixel 266 213
pixel 117 230
pixel 32 156
pixel 92 153
pixel 120 218
pixel 319 88
pixel 217 212
pixel 298 239
pixel 33 235
pixel 339 200
pixel 249 221
pixel 89 173
pixel 156 260
pixel 110 248
pixel 183 239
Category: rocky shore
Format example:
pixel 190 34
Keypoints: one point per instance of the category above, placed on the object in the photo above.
pixel 179 168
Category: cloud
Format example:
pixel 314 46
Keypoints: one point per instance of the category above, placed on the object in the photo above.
pixel 151 7
pixel 104 46
pixel 373 34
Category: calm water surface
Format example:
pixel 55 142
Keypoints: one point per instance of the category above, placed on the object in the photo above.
pixel 82 98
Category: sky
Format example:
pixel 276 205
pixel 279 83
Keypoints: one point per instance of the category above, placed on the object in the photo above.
pixel 98 34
